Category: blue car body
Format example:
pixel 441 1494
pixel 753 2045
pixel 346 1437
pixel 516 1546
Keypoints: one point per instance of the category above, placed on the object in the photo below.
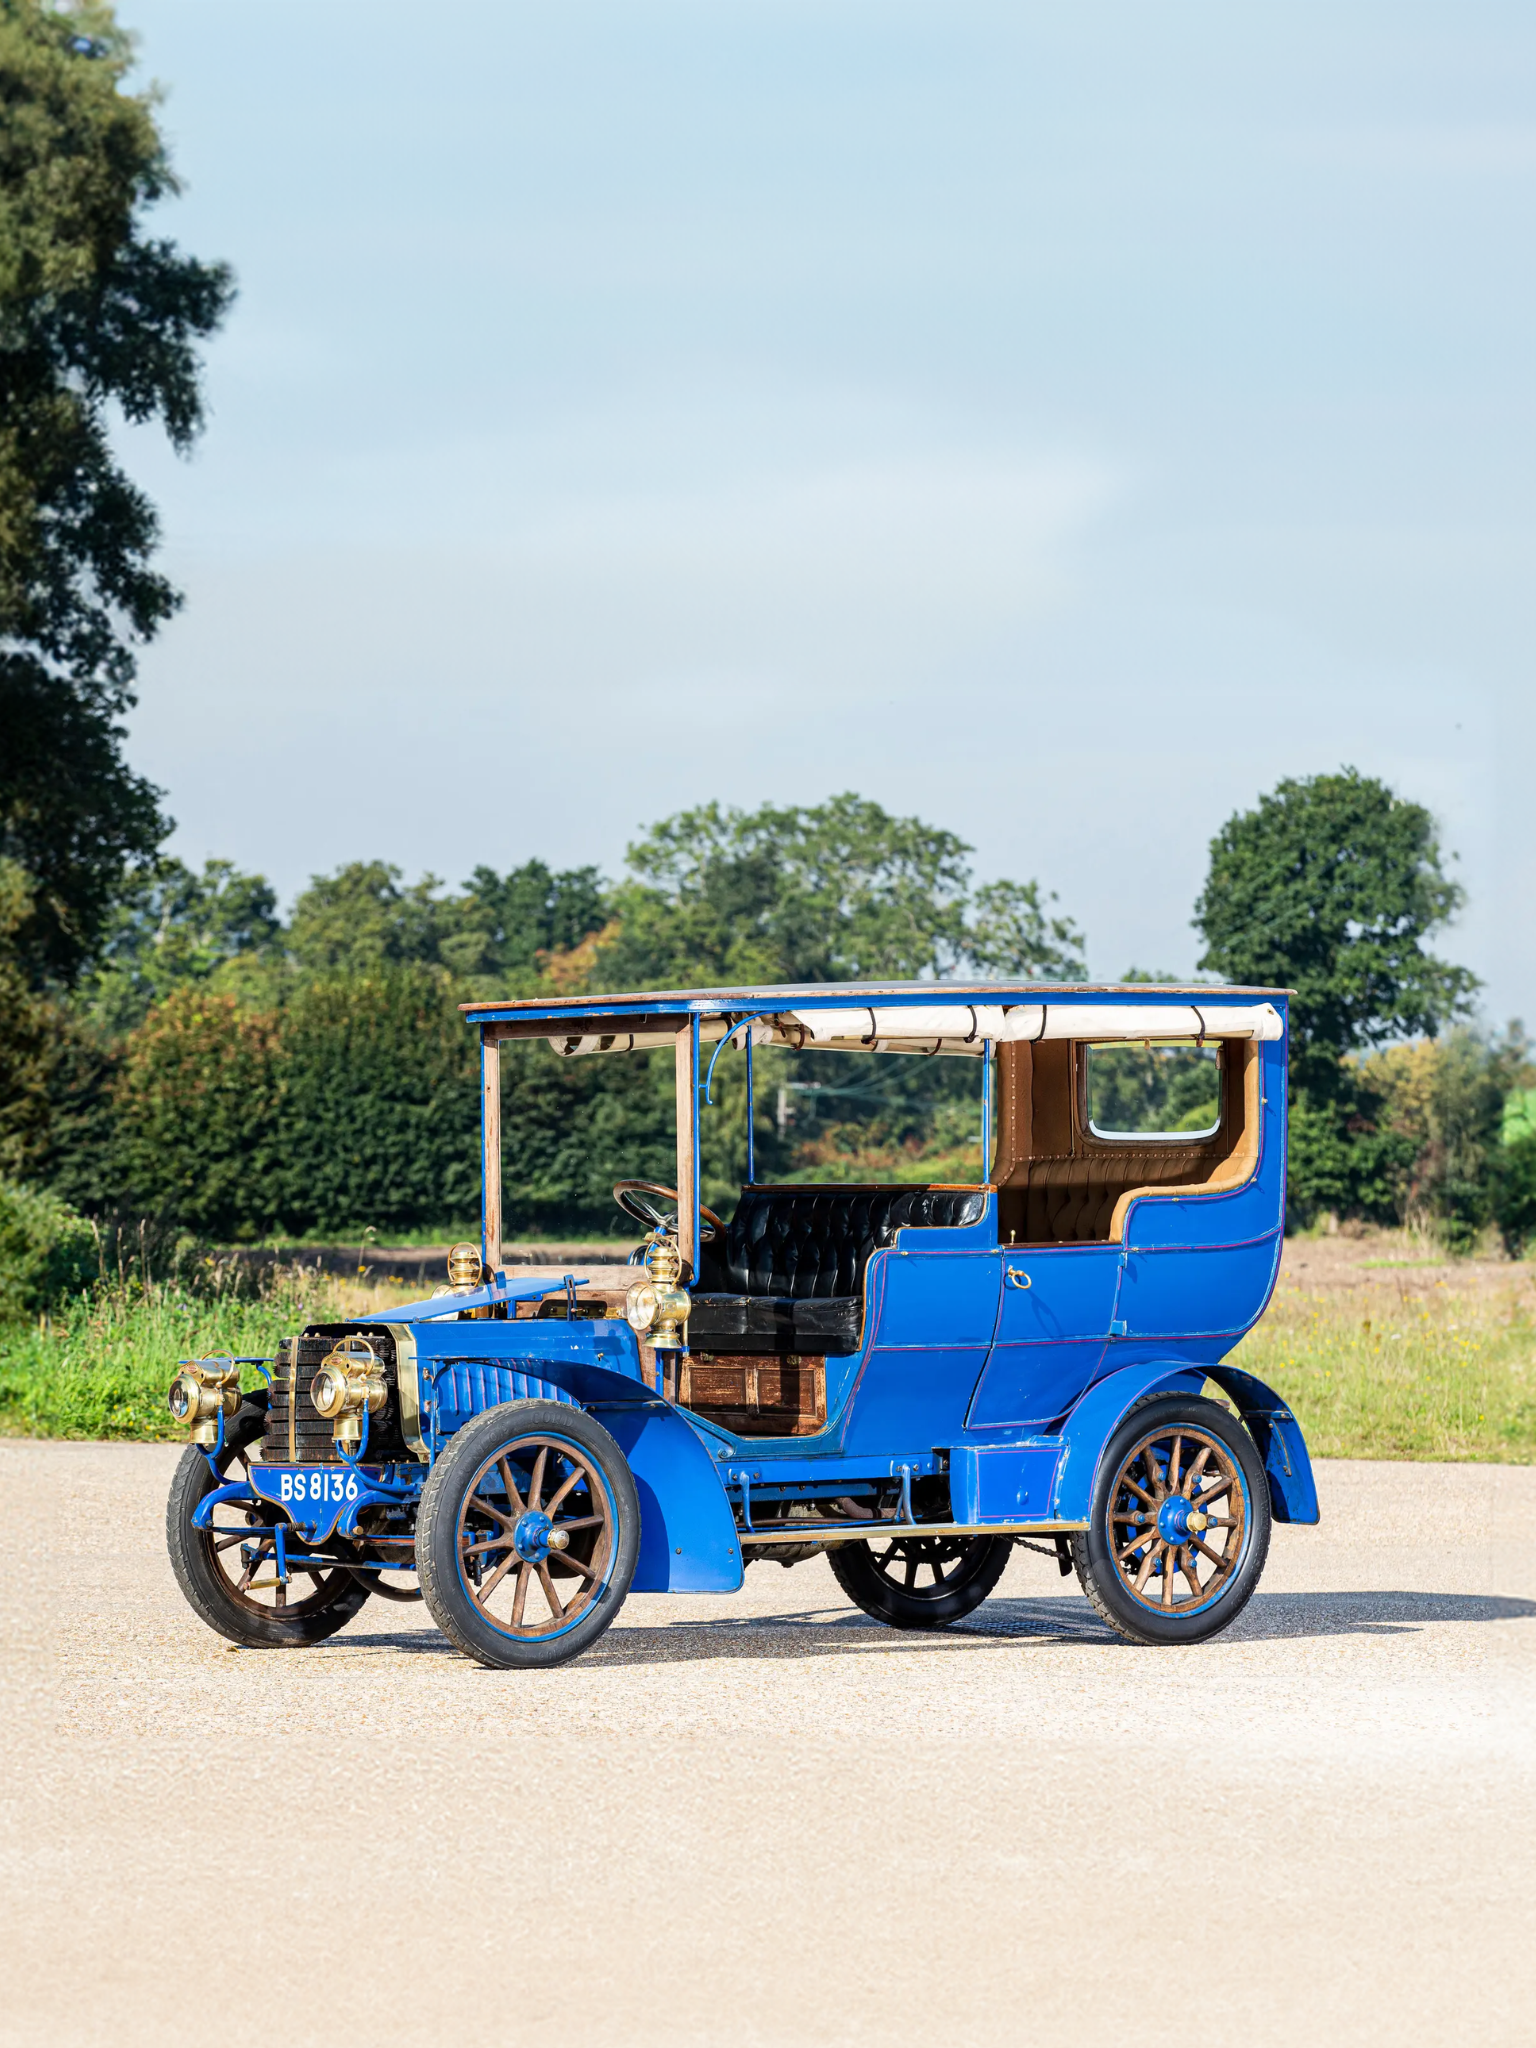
pixel 994 1351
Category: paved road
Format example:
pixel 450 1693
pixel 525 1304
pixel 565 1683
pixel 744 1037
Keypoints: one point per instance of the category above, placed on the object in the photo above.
pixel 766 1820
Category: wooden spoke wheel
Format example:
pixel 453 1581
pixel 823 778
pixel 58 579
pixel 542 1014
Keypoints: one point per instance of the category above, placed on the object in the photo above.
pixel 528 1533
pixel 230 1572
pixel 916 1581
pixel 1180 1526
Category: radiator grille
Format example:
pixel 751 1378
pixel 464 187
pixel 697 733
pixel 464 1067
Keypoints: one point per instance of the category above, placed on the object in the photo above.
pixel 295 1434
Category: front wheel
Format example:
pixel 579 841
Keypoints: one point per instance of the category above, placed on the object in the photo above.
pixel 229 1571
pixel 916 1581
pixel 527 1535
pixel 1179 1529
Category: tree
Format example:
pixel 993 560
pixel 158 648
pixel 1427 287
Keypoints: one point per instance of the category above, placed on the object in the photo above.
pixel 840 891
pixel 1332 887
pixel 197 1099
pixel 172 927
pixel 26 1040
pixel 1014 936
pixel 361 919
pixel 94 317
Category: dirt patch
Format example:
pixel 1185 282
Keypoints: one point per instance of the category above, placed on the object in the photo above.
pixel 1396 1267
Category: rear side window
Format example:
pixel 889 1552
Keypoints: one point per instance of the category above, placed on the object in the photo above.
pixel 1168 1093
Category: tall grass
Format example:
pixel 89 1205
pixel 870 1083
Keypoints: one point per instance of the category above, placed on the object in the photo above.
pixel 1445 1377
pixel 100 1367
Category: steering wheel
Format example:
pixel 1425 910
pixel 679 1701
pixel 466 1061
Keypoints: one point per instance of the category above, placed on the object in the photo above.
pixel 631 1196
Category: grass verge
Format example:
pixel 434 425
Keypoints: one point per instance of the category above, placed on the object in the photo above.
pixel 1440 1380
pixel 101 1366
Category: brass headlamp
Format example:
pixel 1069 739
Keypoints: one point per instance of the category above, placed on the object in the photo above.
pixel 657 1305
pixel 465 1273
pixel 203 1391
pixel 349 1383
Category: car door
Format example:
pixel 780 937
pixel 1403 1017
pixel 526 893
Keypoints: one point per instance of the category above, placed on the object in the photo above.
pixel 935 1312
pixel 1052 1328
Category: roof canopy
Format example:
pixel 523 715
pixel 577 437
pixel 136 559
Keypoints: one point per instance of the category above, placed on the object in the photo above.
pixel 916 1017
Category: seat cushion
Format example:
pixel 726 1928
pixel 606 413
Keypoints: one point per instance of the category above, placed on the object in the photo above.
pixel 773 1323
pixel 812 1243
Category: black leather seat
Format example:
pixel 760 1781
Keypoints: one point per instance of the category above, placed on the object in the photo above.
pixel 789 1273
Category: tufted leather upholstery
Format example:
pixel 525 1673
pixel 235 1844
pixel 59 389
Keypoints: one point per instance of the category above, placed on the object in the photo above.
pixel 790 1272
pixel 814 1243
pixel 1072 1201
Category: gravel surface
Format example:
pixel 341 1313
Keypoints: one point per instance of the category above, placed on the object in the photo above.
pixel 765 1819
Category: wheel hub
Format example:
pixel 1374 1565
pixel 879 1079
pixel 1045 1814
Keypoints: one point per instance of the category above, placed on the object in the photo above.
pixel 530 1539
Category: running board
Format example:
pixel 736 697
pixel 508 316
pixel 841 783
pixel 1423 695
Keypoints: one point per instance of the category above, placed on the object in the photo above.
pixel 860 1532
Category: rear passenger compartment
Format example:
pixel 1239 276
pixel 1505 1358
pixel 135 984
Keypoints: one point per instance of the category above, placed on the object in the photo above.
pixel 1059 1182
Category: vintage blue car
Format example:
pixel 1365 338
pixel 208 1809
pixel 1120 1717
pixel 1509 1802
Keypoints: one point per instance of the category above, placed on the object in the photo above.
pixel 909 1378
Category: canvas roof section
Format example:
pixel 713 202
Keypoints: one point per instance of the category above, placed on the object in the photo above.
pixel 934 1017
pixel 830 994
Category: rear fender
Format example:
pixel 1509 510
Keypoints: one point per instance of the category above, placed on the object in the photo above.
pixel 1274 1429
pixel 1292 1490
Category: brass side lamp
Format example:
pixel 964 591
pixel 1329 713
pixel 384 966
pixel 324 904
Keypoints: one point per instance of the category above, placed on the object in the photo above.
pixel 349 1384
pixel 201 1392
pixel 658 1306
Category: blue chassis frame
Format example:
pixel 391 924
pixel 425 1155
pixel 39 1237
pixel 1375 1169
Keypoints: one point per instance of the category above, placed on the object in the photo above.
pixel 1215 1254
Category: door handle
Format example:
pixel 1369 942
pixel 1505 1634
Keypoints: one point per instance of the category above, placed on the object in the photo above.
pixel 1015 1276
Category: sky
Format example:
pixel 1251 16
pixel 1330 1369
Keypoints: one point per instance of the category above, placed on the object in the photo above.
pixel 1058 423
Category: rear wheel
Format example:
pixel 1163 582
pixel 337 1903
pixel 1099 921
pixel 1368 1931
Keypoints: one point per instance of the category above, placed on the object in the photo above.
pixel 914 1581
pixel 1179 1528
pixel 527 1536
pixel 229 1571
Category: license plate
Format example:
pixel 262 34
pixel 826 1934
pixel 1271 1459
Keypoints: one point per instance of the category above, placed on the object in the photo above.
pixel 313 1495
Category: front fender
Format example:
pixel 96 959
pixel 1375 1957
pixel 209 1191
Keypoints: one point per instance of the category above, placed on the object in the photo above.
pixel 1274 1429
pixel 687 1530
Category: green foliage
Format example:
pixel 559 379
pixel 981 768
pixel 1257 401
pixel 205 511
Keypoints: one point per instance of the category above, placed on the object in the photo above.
pixel 504 923
pixel 1444 1098
pixel 1343 1159
pixel 96 320
pixel 46 1250
pixel 246 1079
pixel 27 1026
pixel 834 892
pixel 1331 887
pixel 1519 1118
pixel 196 1102
pixel 571 1128
pixel 73 816
pixel 360 920
pixel 1013 936
pixel 100 1365
pixel 172 928
pixel 93 315
pixel 377 1118
pixel 354 1104
pixel 1514 1194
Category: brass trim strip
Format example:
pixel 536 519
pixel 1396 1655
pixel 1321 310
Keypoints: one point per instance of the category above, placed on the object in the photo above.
pixel 408 1380
pixel 860 1532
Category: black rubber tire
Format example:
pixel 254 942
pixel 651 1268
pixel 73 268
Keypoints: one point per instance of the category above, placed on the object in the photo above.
pixel 982 1562
pixel 448 1599
pixel 208 1592
pixel 1093 1554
